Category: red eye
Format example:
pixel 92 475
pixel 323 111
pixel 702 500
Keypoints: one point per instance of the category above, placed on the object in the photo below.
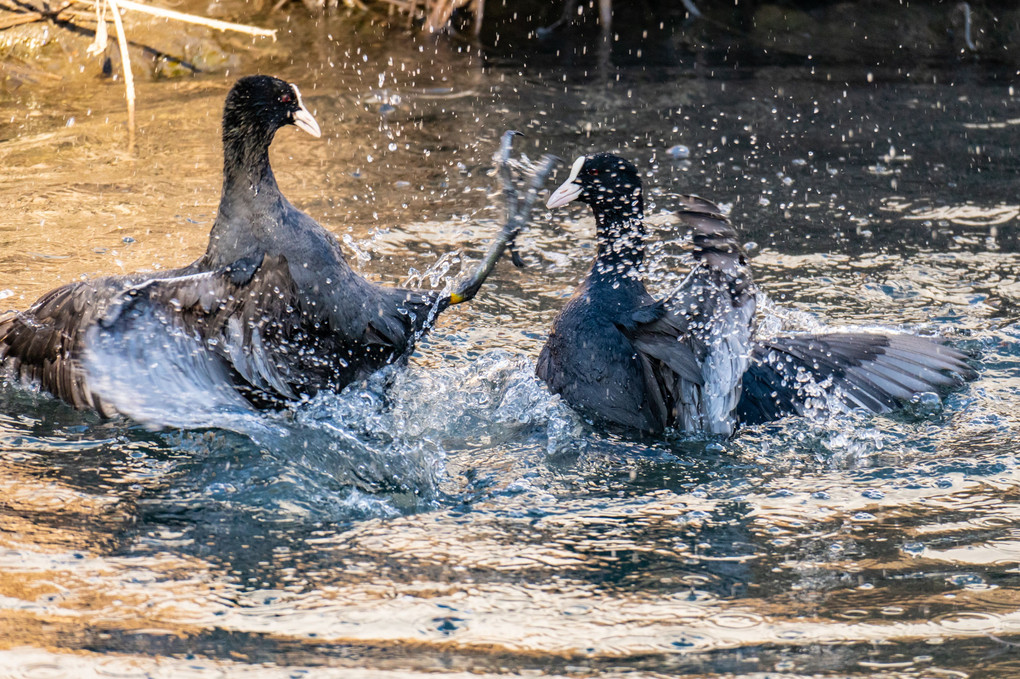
pixel 593 172
pixel 284 98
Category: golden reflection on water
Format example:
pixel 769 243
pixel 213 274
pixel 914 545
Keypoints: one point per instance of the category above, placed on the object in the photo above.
pixel 965 215
pixel 80 206
pixel 513 587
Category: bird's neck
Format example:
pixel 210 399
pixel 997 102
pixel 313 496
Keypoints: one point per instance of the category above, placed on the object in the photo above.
pixel 621 239
pixel 246 169
pixel 250 200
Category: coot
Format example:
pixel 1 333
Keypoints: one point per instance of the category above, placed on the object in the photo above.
pixel 690 361
pixel 271 313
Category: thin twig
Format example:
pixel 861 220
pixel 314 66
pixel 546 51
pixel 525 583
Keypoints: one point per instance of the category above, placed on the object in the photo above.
pixel 201 21
pixel 397 4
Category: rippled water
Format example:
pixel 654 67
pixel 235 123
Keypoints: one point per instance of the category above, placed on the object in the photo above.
pixel 462 521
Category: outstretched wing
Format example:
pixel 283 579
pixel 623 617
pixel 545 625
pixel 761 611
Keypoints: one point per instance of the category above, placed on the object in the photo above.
pixel 695 352
pixel 789 375
pixel 201 332
pixel 42 345
pixel 251 326
pixel 135 344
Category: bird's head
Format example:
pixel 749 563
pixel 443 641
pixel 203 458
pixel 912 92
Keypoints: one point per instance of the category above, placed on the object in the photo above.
pixel 603 181
pixel 261 104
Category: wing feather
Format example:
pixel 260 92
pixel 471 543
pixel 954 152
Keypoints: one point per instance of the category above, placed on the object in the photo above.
pixel 872 371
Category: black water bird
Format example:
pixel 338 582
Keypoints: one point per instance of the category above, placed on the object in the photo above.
pixel 690 361
pixel 271 313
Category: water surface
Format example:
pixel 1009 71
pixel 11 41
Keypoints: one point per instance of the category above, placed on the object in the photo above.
pixel 460 520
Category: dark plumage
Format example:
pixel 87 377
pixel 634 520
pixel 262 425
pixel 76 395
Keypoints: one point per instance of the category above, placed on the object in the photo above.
pixel 690 361
pixel 271 309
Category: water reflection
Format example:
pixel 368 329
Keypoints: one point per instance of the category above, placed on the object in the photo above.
pixel 462 520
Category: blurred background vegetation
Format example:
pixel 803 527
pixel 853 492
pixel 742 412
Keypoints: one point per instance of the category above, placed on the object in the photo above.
pixel 46 39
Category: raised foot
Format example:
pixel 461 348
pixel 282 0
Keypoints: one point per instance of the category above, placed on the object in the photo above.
pixel 518 212
pixel 517 215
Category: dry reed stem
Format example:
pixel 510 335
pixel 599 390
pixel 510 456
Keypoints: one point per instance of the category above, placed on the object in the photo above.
pixel 409 6
pixel 19 19
pixel 437 13
pixel 201 21
pixel 188 18
pixel 129 78
pixel 31 17
pixel 479 16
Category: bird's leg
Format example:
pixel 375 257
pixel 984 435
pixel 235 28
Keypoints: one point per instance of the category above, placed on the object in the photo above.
pixel 518 215
pixel 510 197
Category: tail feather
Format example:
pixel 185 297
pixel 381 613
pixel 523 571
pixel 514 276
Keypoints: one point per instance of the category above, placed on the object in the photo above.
pixel 926 353
pixel 921 372
pixel 791 358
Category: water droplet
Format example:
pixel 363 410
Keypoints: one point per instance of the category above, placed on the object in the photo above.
pixel 678 152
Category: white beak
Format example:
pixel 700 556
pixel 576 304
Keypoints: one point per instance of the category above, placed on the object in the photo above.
pixel 568 190
pixel 303 119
